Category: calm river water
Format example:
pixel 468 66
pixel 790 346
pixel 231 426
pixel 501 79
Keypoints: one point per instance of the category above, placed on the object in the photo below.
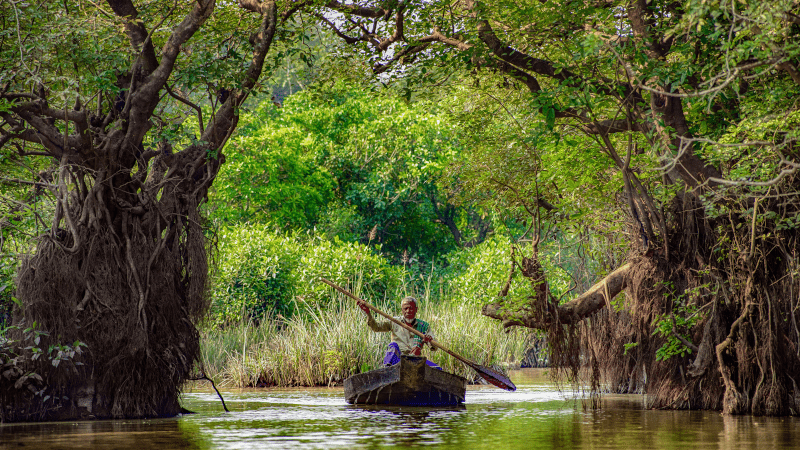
pixel 536 416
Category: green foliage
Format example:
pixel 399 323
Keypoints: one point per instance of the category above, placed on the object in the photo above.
pixel 270 176
pixel 342 161
pixel 674 325
pixel 474 276
pixel 7 271
pixel 515 158
pixel 477 274
pixel 28 345
pixel 262 274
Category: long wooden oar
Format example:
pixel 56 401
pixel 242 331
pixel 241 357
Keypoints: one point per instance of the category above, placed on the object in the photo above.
pixel 492 376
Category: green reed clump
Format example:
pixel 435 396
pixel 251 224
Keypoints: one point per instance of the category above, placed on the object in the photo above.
pixel 328 345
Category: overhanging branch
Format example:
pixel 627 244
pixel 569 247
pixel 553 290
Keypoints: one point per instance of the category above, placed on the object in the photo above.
pixel 540 66
pixel 569 313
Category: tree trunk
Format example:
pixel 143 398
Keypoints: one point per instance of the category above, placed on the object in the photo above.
pixel 119 282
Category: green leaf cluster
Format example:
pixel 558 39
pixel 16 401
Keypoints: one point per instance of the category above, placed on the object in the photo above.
pixel 265 274
pixel 342 161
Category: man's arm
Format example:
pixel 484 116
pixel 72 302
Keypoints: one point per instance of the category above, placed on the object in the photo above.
pixel 375 326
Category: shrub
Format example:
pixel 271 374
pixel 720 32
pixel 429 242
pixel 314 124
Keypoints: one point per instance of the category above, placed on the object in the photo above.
pixel 475 275
pixel 262 274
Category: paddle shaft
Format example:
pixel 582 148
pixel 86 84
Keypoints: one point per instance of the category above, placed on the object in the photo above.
pixel 412 330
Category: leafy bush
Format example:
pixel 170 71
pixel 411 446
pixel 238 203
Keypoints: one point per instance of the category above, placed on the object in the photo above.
pixel 475 275
pixel 342 161
pixel 262 273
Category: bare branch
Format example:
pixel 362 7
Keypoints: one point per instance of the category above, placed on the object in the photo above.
pixel 373 13
pixel 188 103
pixel 408 51
pixel 30 183
pixel 437 36
pixel 48 136
pixel 346 38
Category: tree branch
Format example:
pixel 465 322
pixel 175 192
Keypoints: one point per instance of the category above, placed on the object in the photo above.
pixel 437 36
pixel 541 66
pixel 569 313
pixel 346 38
pixel 145 99
pixel 136 32
pixel 225 120
pixel 410 50
pixel 611 126
pixel 398 32
pixel 641 30
pixel 187 103
pixel 373 13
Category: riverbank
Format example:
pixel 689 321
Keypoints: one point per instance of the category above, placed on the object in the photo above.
pixel 325 346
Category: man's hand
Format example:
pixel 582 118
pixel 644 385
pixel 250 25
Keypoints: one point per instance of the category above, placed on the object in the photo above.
pixel 427 340
pixel 417 351
pixel 363 307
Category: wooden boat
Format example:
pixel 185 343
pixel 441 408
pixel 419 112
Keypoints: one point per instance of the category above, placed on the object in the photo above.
pixel 409 383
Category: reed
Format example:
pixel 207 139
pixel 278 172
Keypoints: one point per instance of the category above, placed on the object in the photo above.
pixel 328 345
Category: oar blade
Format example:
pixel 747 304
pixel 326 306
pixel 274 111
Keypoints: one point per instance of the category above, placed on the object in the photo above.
pixel 494 377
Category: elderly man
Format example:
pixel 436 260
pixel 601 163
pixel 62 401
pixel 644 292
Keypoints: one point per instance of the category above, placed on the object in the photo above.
pixel 403 342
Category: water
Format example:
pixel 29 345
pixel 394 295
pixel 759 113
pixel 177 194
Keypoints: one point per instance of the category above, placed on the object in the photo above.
pixel 536 416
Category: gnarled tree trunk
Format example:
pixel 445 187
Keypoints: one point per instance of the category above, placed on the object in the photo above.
pixel 123 270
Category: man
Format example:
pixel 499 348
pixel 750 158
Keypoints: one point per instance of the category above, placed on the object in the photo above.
pixel 403 342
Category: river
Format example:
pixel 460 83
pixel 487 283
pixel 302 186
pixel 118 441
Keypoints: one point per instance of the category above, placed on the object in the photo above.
pixel 536 416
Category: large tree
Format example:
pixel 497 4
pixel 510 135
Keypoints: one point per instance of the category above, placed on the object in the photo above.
pixel 692 108
pixel 133 105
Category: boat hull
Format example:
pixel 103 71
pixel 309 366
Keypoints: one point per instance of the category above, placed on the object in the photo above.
pixel 409 383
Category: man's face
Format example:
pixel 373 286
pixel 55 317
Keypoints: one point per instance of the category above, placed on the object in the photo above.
pixel 409 311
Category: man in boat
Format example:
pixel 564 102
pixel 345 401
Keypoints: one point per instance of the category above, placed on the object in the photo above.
pixel 403 342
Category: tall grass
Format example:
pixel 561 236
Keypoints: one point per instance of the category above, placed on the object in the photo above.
pixel 328 345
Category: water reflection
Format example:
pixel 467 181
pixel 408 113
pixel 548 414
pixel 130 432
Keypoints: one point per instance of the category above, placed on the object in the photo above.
pixel 138 435
pixel 536 416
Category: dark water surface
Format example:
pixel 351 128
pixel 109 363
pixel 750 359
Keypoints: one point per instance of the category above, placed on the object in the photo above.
pixel 536 416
